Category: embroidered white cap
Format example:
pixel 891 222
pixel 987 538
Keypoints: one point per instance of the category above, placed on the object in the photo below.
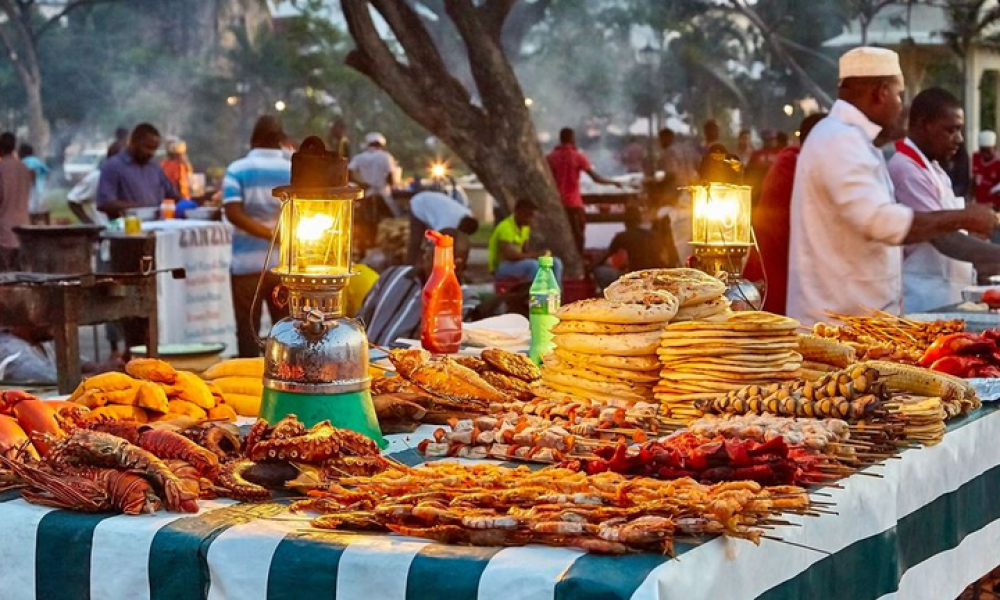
pixel 869 61
pixel 987 139
pixel 375 138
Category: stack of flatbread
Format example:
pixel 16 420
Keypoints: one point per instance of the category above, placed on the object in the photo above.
pixel 704 358
pixel 606 350
pixel 700 295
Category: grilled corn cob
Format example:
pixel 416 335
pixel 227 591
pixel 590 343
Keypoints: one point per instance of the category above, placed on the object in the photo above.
pixel 918 380
pixel 822 350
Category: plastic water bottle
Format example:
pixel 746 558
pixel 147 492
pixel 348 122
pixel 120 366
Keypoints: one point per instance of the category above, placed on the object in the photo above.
pixel 544 299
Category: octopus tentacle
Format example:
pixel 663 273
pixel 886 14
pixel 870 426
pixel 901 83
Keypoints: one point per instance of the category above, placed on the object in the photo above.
pixel 232 479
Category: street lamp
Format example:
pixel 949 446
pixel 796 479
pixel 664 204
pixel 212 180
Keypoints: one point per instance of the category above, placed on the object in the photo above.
pixel 648 55
pixel 789 109
pixel 279 106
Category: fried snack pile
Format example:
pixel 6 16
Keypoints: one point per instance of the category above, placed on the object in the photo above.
pixel 445 385
pixel 487 505
pixel 151 390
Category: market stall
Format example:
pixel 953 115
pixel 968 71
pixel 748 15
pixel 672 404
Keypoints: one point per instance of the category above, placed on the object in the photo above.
pixel 199 308
pixel 925 529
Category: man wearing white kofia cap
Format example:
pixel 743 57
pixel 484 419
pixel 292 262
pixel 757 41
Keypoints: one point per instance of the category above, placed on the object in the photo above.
pixel 847 231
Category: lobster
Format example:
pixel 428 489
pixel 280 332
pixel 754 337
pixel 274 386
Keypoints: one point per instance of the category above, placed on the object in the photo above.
pixel 85 489
pixel 95 448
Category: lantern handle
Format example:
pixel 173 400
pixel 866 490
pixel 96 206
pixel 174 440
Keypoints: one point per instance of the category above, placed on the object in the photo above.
pixel 263 272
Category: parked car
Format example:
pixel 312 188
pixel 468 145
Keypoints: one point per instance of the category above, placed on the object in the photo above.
pixel 76 167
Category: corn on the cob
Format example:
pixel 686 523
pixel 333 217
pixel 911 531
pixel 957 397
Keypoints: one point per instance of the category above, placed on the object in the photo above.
pixel 247 386
pixel 236 367
pixel 918 380
pixel 817 349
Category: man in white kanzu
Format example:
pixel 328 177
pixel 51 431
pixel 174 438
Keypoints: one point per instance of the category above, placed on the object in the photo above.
pixel 847 231
pixel 935 272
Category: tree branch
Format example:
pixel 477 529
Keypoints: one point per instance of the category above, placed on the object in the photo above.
pixel 35 36
pixel 494 14
pixel 779 50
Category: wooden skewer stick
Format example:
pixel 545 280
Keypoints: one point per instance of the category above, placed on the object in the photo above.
pixel 778 539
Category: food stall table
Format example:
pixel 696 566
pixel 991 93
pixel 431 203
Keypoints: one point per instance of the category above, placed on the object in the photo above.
pixel 63 304
pixel 926 529
pixel 199 308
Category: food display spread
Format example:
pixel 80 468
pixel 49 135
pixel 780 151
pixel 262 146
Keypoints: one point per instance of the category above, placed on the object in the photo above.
pixel 661 415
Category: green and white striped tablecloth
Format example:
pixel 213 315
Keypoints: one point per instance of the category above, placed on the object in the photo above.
pixel 926 529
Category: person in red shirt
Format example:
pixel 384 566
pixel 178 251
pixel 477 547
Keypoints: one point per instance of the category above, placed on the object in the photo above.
pixel 771 221
pixel 986 169
pixel 566 163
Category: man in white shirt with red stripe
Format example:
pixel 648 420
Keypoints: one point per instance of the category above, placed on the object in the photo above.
pixel 934 272
pixel 847 230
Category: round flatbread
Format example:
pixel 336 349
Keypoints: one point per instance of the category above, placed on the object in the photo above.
pixel 704 310
pixel 690 286
pixel 602 310
pixel 601 387
pixel 718 350
pixel 604 328
pixel 615 397
pixel 594 372
pixel 738 359
pixel 736 345
pixel 742 321
pixel 723 370
pixel 622 344
pixel 627 363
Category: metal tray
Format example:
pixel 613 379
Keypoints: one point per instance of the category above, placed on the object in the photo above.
pixel 975 322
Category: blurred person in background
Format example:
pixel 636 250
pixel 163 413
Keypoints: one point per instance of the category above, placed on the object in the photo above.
pixel 130 178
pixel 634 249
pixel 959 170
pixel 669 197
pixel 711 133
pixel 177 167
pixel 253 212
pixel 771 220
pixel 507 256
pixel 567 164
pixel 120 142
pixel 16 181
pixel 375 169
pixel 744 147
pixel 337 140
pixel 38 206
pixel 82 198
pixel 633 156
pixel 437 212
pixel 986 170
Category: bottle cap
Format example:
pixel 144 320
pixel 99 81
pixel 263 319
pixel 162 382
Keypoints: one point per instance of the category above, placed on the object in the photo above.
pixel 545 261
pixel 440 240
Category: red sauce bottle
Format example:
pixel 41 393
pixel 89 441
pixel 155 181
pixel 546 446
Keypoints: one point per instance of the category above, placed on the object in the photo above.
pixel 441 317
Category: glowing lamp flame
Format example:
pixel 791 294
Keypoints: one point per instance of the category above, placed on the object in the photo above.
pixel 438 170
pixel 311 229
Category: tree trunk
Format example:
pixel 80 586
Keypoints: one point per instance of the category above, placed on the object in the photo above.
pixel 495 137
pixel 25 61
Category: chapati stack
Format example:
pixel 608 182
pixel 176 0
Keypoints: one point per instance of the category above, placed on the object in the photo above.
pixel 700 295
pixel 606 350
pixel 702 359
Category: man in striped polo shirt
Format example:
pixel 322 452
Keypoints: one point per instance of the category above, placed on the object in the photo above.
pixel 253 211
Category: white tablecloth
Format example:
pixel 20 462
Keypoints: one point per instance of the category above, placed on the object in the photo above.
pixel 198 308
